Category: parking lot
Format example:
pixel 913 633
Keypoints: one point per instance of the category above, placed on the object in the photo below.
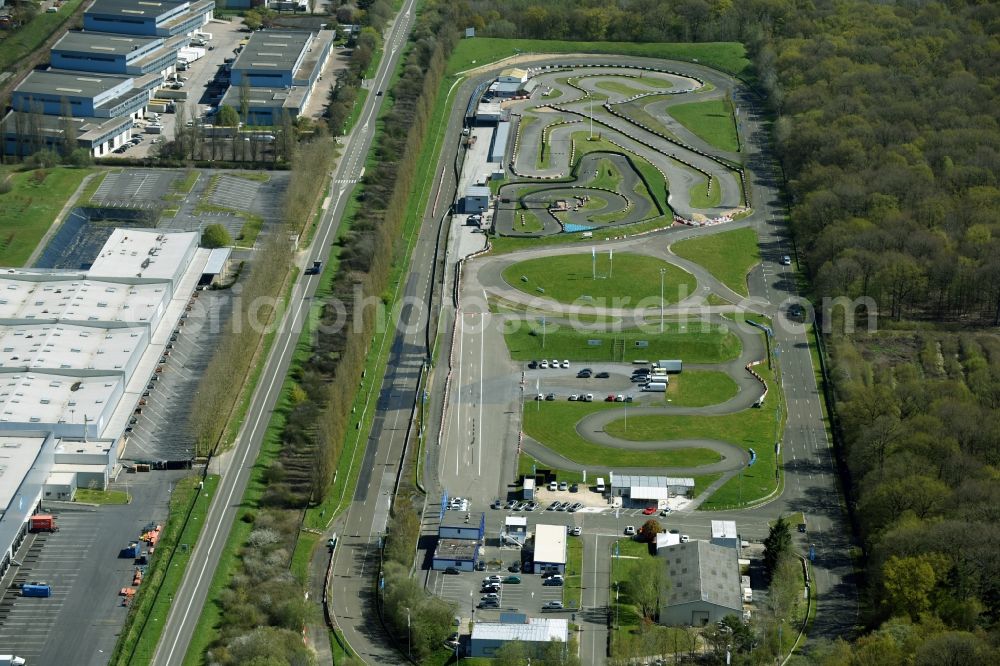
pixel 135 188
pixel 528 596
pixel 80 622
pixel 162 429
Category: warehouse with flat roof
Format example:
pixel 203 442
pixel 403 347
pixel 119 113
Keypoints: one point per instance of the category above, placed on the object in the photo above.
pixel 535 633
pixel 550 548
pixel 109 53
pixel 162 18
pixel 641 491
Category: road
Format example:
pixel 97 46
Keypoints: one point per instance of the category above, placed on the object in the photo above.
pixel 193 590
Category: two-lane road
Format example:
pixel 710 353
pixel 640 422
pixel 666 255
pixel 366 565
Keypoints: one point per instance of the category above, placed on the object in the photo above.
pixel 192 593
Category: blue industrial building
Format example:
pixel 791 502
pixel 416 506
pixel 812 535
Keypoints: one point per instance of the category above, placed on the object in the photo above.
pixel 163 18
pixel 109 53
pixel 86 95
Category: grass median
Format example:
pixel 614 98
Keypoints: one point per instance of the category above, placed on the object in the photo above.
pixel 553 424
pixel 728 255
pixel 584 277
pixel 692 342
pixel 700 388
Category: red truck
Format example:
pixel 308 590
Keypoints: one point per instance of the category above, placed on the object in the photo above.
pixel 42 523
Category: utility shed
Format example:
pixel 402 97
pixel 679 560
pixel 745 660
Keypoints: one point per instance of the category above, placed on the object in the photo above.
pixel 528 492
pixel 704 584
pixel 462 525
pixel 641 491
pixel 724 533
pixel 477 199
pixel 550 548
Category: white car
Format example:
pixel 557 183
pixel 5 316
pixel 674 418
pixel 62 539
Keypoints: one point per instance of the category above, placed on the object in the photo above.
pixel 685 538
pixel 630 530
pixel 576 531
pixel 565 364
pixel 573 397
pixel 555 363
pixel 786 260
pixel 492 579
pixel 540 396
pixel 589 397
pixel 543 365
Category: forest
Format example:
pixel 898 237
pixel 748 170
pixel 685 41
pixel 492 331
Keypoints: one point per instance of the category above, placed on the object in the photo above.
pixel 886 126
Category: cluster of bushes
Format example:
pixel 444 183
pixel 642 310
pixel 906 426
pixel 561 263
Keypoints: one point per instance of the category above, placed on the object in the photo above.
pixel 264 609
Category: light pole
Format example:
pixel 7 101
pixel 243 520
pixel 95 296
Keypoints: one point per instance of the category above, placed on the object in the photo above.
pixel 663 271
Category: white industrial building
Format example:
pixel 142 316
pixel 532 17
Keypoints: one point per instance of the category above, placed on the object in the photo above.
pixel 76 352
pixel 640 491
pixel 534 633
pixel 550 548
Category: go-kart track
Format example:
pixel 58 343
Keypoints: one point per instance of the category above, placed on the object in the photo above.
pixel 595 146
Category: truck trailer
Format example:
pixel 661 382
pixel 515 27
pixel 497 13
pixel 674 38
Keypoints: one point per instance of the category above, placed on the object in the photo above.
pixel 42 523
pixel 36 590
pixel 11 660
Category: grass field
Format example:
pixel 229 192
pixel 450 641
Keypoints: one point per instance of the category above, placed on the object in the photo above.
pixel 608 177
pixel 693 343
pixel 728 255
pixel 469 53
pixel 700 388
pixel 568 278
pixel 702 198
pixel 88 496
pixel 711 121
pixel 31 206
pixel 574 570
pixel 554 425
pixel 18 44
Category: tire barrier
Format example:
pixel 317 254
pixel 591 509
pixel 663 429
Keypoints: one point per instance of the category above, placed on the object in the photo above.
pixel 756 375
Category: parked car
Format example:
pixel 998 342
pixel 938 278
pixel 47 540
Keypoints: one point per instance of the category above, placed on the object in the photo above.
pixel 665 511
pixel 563 485
pixel 514 568
pixel 619 398
pixel 562 506
pixel 573 397
pixel 553 605
pixel 452 571
pixel 610 398
pixel 491 595
pixel 497 504
pixel 786 260
pixel 512 580
pixel 565 364
pixel 576 531
pixel 583 374
pixel 576 506
pixel 481 565
pixel 553 506
pixel 492 579
pixel 602 375
pixel 510 504
pixel 532 505
pixel 540 396
pixel 574 488
pixel 554 581
pixel 630 530
pixel 543 365
pixel 490 589
pixel 532 364
pixel 649 511
pixel 488 603
pixel 550 396
pixel 685 538
pixel 589 397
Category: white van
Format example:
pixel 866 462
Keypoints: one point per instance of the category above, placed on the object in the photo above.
pixel 600 484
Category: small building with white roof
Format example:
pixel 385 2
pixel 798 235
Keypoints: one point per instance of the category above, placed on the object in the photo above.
pixel 550 549
pixel 535 633
pixel 724 533
pixel 641 491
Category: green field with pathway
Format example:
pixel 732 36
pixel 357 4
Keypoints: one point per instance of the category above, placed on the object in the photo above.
pixel 728 255
pixel 711 121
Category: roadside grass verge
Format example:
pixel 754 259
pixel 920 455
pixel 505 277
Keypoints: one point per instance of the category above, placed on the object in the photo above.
pixel 694 342
pixel 699 388
pixel 88 496
pixel 583 278
pixel 711 121
pixel 728 255
pixel 31 207
pixel 155 596
pixel 573 578
pixel 553 424
pixel 359 105
pixel 727 56
pixel 304 547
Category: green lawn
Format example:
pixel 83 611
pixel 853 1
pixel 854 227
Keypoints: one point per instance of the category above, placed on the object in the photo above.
pixel 88 496
pixel 700 388
pixel 728 255
pixel 30 208
pixel 554 425
pixel 468 53
pixel 155 596
pixel 658 186
pixel 702 198
pixel 574 572
pixel 750 428
pixel 711 121
pixel 624 613
pixel 620 87
pixel 608 177
pixel 18 44
pixel 629 279
pixel 695 342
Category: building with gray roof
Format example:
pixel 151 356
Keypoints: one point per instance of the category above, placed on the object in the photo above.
pixel 640 491
pixel 536 633
pixel 162 18
pixel 704 584
pixel 110 53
